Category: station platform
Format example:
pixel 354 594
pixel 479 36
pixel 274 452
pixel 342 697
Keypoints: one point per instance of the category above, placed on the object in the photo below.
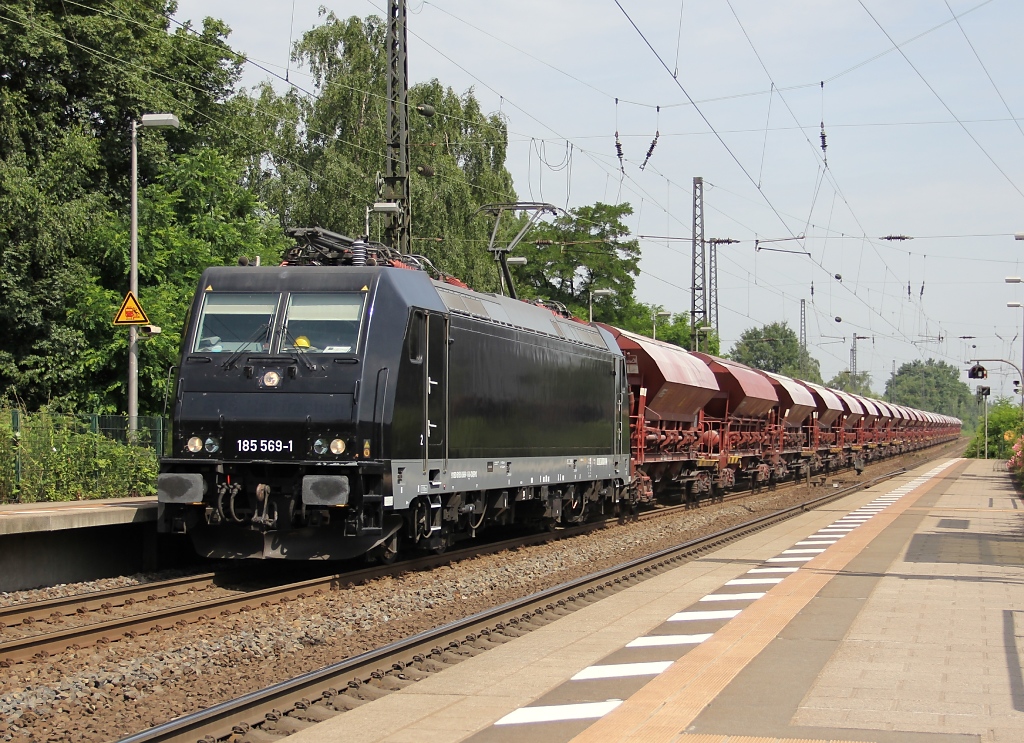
pixel 22 518
pixel 893 615
pixel 46 544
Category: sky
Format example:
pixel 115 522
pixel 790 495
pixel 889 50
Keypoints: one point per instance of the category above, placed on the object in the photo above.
pixel 921 101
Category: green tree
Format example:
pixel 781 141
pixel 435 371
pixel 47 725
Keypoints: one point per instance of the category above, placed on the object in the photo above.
pixel 315 160
pixel 844 380
pixel 74 77
pixel 931 385
pixel 1004 416
pixel 580 251
pixel 776 348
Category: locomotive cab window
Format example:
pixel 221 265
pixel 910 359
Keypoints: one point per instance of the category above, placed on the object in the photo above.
pixel 235 322
pixel 323 323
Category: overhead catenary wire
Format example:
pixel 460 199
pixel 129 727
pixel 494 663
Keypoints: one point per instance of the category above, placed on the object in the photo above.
pixel 654 202
pixel 945 105
pixel 983 67
pixel 826 172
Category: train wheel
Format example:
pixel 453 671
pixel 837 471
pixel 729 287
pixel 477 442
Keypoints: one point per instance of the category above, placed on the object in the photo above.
pixel 574 506
pixel 387 553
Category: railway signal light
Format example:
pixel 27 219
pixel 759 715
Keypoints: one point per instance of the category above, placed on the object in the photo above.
pixel 977 372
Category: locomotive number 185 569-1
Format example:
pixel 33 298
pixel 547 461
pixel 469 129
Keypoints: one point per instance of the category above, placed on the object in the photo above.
pixel 264 445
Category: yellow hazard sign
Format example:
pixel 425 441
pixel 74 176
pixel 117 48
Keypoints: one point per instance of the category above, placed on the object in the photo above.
pixel 131 312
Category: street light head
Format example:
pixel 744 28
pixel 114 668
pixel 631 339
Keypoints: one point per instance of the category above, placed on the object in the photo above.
pixel 663 314
pixel 1014 280
pixel 516 260
pixel 603 292
pixel 1014 304
pixel 160 120
pixel 1019 236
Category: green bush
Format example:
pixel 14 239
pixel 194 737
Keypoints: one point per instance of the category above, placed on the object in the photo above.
pixel 64 457
pixel 1004 415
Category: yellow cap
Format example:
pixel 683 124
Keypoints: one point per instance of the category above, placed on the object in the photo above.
pixel 302 342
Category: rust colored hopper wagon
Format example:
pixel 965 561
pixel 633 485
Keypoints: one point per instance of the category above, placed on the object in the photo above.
pixel 796 406
pixel 868 428
pixel 824 445
pixel 736 421
pixel 853 414
pixel 668 390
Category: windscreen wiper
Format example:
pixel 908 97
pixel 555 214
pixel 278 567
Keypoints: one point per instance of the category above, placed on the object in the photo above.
pixel 299 350
pixel 230 360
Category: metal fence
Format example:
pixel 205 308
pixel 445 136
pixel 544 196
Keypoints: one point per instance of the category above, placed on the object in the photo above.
pixel 46 456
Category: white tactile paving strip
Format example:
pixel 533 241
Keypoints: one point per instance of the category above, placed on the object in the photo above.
pixel 804 551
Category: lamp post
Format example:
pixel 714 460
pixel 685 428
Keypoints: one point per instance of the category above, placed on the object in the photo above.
pixel 597 293
pixel 654 323
pixel 148 120
pixel 1020 381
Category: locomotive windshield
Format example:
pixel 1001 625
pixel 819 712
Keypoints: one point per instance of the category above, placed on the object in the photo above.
pixel 236 322
pixel 322 323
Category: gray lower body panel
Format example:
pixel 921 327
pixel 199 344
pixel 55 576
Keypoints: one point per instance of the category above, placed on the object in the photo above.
pixel 411 479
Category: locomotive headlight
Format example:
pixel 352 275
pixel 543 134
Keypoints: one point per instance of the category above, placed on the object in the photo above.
pixel 212 444
pixel 337 446
pixel 271 379
pixel 194 445
pixel 320 446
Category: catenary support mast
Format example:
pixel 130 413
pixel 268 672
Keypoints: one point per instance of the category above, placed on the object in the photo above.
pixel 396 181
pixel 698 290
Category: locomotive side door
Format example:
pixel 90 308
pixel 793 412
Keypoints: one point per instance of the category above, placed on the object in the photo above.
pixel 435 401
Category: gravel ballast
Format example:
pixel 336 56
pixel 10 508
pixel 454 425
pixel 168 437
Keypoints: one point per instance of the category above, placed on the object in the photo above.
pixel 109 691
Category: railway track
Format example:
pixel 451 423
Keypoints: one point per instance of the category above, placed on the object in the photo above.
pixel 49 627
pixel 292 705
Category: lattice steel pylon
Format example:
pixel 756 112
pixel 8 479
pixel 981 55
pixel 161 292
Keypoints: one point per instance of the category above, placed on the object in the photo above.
pixel 698 289
pixel 396 180
pixel 803 325
pixel 713 244
pixel 713 283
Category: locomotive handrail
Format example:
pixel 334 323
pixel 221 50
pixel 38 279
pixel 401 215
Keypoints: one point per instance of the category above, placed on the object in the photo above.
pixel 383 395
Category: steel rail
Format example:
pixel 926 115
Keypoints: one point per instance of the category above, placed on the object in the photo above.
pixel 36 611
pixel 42 645
pixel 218 720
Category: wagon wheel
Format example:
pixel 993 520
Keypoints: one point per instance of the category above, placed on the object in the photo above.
pixel 421 519
pixel 577 510
pixel 387 552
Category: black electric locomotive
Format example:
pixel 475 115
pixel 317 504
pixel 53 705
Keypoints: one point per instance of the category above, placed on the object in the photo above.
pixel 327 412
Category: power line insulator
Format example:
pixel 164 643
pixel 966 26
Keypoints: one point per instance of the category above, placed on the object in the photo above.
pixel 650 150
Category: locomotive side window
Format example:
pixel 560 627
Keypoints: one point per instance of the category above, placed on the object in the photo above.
pixel 416 337
pixel 232 322
pixel 323 323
